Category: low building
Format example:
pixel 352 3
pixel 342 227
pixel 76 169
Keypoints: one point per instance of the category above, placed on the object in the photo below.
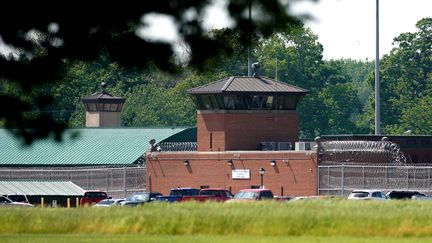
pixel 50 193
pixel 108 159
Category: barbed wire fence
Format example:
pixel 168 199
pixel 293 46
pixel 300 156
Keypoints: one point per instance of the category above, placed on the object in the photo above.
pixel 361 152
pixel 118 182
pixel 340 180
pixel 177 146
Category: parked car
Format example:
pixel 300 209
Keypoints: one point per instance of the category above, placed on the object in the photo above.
pixel 404 194
pixel 176 194
pixel 283 198
pixel 109 202
pixel 308 198
pixel 140 198
pixel 18 198
pixel 367 195
pixel 209 194
pixel 6 202
pixel 93 197
pixel 252 194
pixel 421 197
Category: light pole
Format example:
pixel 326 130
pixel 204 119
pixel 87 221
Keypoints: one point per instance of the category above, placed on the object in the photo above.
pixel 377 77
pixel 262 172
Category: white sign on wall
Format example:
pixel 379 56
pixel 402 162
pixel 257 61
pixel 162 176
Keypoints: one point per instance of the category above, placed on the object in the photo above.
pixel 241 174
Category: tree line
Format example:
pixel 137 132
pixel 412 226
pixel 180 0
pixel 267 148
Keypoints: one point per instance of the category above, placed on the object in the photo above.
pixel 341 99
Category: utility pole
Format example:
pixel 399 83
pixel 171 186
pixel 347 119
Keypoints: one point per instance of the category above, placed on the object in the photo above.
pixel 377 77
pixel 250 41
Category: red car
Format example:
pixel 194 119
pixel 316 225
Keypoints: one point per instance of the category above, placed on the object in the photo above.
pixel 253 194
pixel 93 197
pixel 210 194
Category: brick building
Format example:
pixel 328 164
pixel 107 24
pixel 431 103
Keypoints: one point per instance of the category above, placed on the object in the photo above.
pixel 244 125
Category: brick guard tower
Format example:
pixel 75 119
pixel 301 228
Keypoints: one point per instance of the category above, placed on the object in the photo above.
pixel 103 109
pixel 239 113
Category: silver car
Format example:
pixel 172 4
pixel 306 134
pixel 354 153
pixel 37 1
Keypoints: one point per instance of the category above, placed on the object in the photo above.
pixel 109 202
pixel 367 195
pixel 6 202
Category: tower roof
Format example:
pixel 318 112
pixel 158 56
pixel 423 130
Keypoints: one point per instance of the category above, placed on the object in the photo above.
pixel 238 84
pixel 103 98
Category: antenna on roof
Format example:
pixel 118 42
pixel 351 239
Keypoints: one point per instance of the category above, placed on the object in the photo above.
pixel 256 67
pixel 276 96
pixel 250 40
pixel 103 86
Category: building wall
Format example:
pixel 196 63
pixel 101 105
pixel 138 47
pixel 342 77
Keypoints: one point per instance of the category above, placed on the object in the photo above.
pixel 210 131
pixel 298 176
pixel 103 119
pixel 245 130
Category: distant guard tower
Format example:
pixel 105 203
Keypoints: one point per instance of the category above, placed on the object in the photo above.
pixel 103 109
pixel 243 113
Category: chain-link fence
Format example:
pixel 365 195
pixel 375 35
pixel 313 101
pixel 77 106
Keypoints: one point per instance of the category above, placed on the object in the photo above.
pixel 342 179
pixel 117 182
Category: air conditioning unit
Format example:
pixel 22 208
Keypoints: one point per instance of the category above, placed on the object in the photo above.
pixel 266 146
pixel 299 146
pixel 284 146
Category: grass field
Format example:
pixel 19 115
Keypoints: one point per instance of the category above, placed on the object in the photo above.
pixel 303 221
pixel 136 238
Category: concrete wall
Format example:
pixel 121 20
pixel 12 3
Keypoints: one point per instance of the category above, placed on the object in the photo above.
pixel 245 130
pixel 296 177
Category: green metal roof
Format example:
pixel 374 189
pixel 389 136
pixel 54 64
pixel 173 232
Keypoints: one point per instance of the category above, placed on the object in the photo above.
pixel 40 188
pixel 187 135
pixel 92 147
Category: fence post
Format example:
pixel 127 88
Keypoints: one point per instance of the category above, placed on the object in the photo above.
pixel 343 177
pixel 328 174
pixel 318 177
pixel 364 178
pixel 386 176
pixel 408 179
pixel 107 181
pixel 91 179
pixel 124 181
pixel 429 179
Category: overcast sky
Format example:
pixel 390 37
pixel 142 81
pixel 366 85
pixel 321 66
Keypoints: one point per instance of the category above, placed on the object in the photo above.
pixel 346 28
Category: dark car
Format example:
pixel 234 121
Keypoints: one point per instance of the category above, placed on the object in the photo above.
pixel 404 194
pixel 209 194
pixel 140 198
pixel 252 195
pixel 176 194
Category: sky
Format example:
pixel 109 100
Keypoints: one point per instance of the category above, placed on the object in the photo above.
pixel 346 28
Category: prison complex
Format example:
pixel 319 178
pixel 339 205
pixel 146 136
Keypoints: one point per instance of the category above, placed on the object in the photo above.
pixel 247 136
pixel 247 128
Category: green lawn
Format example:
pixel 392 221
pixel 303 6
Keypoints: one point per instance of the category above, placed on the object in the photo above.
pixel 303 221
pixel 132 238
